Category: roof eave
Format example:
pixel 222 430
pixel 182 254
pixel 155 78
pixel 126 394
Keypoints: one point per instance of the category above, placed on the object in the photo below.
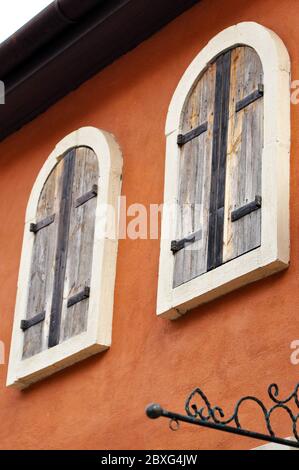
pixel 34 81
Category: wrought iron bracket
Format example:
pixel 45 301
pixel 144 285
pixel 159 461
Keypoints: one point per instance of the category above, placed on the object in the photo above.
pixel 214 417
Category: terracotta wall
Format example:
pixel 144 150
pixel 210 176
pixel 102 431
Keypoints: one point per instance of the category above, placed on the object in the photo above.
pixel 233 346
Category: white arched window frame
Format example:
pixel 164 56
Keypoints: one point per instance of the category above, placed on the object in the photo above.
pixel 273 254
pixel 23 372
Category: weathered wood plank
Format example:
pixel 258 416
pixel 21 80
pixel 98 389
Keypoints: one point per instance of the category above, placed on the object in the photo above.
pixel 42 266
pixel 244 158
pixel 194 183
pixel 80 244
pixel 217 195
pixel 62 247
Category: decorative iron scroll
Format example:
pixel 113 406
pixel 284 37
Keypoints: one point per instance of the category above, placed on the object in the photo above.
pixel 214 417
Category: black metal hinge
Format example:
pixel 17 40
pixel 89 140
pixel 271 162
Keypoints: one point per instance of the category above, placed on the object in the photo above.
pixel 196 132
pixel 86 197
pixel 257 94
pixel 178 245
pixel 247 209
pixel 26 324
pixel 78 297
pixel 42 224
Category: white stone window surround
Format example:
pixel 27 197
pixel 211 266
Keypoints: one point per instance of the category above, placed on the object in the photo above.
pixel 273 254
pixel 22 373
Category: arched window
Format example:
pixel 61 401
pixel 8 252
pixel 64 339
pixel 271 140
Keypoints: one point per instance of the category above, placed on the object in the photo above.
pixel 227 165
pixel 66 281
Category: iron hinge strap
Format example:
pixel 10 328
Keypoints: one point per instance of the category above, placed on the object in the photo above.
pixel 42 224
pixel 26 324
pixel 87 196
pixel 247 209
pixel 255 95
pixel 84 294
pixel 196 132
pixel 178 245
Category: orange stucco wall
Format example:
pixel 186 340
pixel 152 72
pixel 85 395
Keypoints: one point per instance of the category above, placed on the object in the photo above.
pixel 233 346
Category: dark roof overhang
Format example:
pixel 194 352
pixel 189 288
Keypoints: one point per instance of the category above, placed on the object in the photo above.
pixel 77 37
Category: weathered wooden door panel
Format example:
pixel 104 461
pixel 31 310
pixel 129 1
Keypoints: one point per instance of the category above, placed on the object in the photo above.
pixel 218 176
pixel 194 184
pixel 62 253
pixel 219 198
pixel 80 244
pixel 244 154
pixel 62 246
pixel 43 264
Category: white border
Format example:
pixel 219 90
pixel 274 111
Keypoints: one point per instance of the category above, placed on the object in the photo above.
pixel 22 373
pixel 273 255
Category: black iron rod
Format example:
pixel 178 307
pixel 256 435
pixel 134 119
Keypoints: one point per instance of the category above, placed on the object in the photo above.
pixel 228 429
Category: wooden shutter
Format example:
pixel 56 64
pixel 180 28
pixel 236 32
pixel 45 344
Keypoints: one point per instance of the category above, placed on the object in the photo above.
pixel 62 253
pixel 42 266
pixel 195 176
pixel 221 142
pixel 80 247
pixel 244 156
